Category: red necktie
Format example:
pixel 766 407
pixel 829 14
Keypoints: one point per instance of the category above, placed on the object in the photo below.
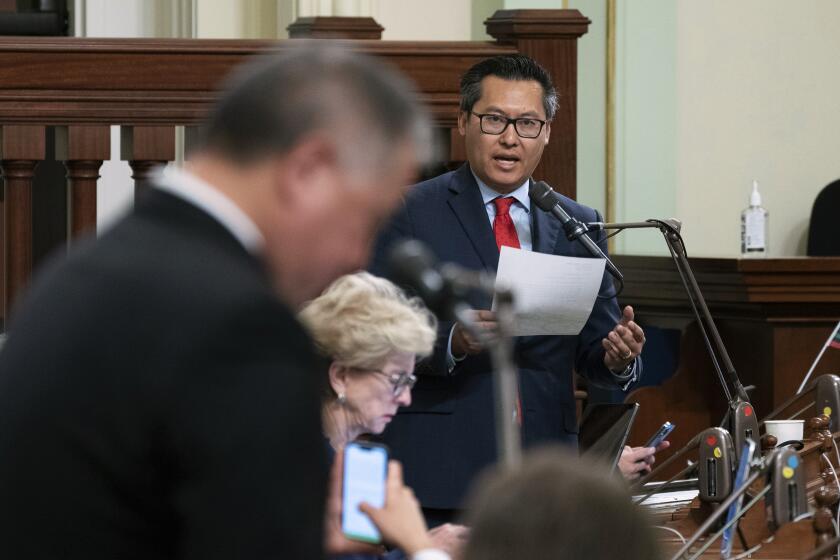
pixel 505 233
pixel 503 224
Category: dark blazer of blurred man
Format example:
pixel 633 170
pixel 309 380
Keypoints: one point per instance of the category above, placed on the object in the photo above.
pixel 447 435
pixel 158 399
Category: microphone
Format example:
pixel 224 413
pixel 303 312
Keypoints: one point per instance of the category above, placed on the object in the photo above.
pixel 442 287
pixel 549 201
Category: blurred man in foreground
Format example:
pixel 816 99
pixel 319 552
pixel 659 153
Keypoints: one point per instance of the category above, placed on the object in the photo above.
pixel 157 398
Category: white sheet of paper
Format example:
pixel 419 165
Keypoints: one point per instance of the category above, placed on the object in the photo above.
pixel 553 295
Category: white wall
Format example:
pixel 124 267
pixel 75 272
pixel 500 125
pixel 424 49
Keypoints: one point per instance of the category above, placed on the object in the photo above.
pixel 713 94
pixel 239 19
pixel 591 113
pixel 429 20
pixel 645 119
pixel 758 100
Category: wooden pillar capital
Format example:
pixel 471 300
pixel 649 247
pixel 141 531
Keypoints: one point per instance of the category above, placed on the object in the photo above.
pixel 335 28
pixel 512 26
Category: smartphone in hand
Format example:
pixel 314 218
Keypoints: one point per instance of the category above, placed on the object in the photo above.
pixel 660 435
pixel 363 480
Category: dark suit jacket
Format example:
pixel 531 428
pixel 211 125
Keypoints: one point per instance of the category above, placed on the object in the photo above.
pixel 158 401
pixel 447 434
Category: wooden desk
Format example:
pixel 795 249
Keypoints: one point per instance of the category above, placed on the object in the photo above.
pixel 773 315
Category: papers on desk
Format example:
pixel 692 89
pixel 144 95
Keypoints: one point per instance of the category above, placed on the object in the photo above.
pixel 666 499
pixel 553 295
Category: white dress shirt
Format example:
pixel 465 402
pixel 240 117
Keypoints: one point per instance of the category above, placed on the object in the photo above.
pixel 201 194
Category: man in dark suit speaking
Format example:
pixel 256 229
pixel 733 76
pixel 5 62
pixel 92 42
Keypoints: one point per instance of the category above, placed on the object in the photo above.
pixel 465 216
pixel 158 399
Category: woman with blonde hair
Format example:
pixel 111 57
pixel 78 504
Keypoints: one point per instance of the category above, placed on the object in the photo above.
pixel 371 334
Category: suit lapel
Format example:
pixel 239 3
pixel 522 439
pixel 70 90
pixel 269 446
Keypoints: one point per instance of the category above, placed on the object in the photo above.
pixel 545 230
pixel 468 206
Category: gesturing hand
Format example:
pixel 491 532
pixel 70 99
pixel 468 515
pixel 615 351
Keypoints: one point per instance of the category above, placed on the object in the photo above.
pixel 624 342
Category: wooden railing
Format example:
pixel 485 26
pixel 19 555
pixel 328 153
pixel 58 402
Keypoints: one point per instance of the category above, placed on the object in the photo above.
pixel 76 89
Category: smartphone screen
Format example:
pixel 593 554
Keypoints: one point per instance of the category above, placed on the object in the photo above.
pixel 365 470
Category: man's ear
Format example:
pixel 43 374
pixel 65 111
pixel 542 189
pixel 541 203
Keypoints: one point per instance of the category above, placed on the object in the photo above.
pixel 338 378
pixel 309 166
pixel 547 132
pixel 462 122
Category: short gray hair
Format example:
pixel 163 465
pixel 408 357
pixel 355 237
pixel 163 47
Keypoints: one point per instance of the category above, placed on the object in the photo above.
pixel 362 319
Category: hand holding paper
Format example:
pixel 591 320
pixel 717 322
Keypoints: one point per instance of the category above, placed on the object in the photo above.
pixel 553 295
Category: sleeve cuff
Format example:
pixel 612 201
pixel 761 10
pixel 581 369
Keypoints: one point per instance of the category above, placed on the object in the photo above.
pixel 628 376
pixel 431 554
pixel 451 361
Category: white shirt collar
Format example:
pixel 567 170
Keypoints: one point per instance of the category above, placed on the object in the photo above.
pixel 520 194
pixel 201 194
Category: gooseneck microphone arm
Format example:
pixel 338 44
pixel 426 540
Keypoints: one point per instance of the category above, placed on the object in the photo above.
pixel 670 229
pixel 549 201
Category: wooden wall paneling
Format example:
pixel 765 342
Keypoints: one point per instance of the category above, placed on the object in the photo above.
pixel 146 148
pixel 21 148
pixel 82 148
pixel 164 81
pixel 773 316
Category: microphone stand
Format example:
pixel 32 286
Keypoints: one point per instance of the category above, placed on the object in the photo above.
pixel 445 289
pixel 505 375
pixel 717 351
pixel 723 508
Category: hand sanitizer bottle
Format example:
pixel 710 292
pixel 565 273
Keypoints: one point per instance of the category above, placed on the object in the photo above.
pixel 754 227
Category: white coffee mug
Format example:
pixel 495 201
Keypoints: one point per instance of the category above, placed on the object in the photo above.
pixel 785 430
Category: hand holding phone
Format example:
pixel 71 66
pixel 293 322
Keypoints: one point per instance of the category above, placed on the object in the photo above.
pixel 401 520
pixel 660 435
pixel 365 470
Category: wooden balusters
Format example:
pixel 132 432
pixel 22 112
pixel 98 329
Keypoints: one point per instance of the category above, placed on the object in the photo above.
pixel 768 442
pixel 21 148
pixel 82 149
pixel 145 148
pixel 826 498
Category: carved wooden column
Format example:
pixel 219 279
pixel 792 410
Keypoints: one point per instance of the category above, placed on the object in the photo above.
pixel 21 148
pixel 550 37
pixel 145 148
pixel 826 498
pixel 335 28
pixel 82 149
